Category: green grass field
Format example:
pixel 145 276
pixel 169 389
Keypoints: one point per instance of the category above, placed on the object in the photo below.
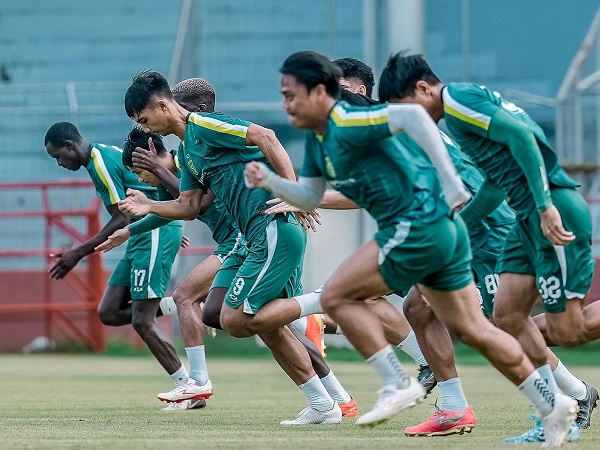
pixel 87 401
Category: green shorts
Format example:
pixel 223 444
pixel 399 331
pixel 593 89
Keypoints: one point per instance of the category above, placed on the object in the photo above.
pixel 484 263
pixel 229 245
pixel 436 255
pixel 272 268
pixel 561 272
pixel 146 266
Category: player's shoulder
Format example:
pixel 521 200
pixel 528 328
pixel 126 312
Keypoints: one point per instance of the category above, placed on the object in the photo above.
pixel 107 157
pixel 345 115
pixel 464 93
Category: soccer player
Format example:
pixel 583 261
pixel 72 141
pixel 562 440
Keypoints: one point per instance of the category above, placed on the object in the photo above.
pixel 419 240
pixel 215 148
pixel 539 253
pixel 357 77
pixel 140 280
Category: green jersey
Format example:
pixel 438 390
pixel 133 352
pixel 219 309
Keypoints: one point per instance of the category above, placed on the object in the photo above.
pixel 389 177
pixel 473 179
pixel 213 156
pixel 216 217
pixel 111 178
pixel 468 112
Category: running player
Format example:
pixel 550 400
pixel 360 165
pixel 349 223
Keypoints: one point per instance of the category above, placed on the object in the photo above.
pixel 215 150
pixel 140 280
pixel 519 165
pixel 419 241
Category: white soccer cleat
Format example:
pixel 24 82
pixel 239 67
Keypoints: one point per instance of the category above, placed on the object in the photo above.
pixel 391 401
pixel 187 391
pixel 557 422
pixel 185 405
pixel 310 416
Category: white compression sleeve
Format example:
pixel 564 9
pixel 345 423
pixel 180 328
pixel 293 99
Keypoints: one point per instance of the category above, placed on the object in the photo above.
pixel 416 122
pixel 306 194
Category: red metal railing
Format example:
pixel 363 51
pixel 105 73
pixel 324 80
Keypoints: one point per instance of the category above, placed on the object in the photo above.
pixel 88 285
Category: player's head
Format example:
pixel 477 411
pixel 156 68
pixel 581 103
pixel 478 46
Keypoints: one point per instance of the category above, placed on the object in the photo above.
pixel 357 76
pixel 409 79
pixel 195 94
pixel 310 87
pixel 64 143
pixel 139 138
pixel 357 99
pixel 149 102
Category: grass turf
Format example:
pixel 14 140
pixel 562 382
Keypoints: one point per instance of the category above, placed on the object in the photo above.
pixel 87 401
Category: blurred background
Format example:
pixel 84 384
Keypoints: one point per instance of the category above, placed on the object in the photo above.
pixel 73 60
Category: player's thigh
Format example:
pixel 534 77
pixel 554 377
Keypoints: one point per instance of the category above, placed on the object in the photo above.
pixel 195 285
pixel 359 277
pixel 143 312
pixel 152 257
pixel 115 298
pixel 271 268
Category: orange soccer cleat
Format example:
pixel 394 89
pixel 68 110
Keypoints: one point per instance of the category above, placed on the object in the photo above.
pixel 314 331
pixel 349 409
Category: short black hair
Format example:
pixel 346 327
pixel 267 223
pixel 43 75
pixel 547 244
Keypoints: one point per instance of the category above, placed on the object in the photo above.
pixel 144 87
pixel 357 99
pixel 400 75
pixel 61 132
pixel 311 69
pixel 354 68
pixel 139 138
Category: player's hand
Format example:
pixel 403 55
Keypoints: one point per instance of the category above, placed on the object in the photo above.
pixel 309 219
pixel 136 203
pixel 279 206
pixel 552 227
pixel 256 174
pixel 114 240
pixel 66 261
pixel 185 241
pixel 146 159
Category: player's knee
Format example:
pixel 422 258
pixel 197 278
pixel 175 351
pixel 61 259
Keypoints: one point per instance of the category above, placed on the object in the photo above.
pixel 180 297
pixel 507 322
pixel 567 338
pixel 237 331
pixel 107 316
pixel 211 316
pixel 330 301
pixel 417 313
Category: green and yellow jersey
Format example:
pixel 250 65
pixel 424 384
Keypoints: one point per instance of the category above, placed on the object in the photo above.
pixel 388 176
pixel 213 156
pixel 470 112
pixel 111 178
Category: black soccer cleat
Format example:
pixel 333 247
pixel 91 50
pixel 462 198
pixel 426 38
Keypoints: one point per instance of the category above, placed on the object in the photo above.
pixel 586 406
pixel 426 378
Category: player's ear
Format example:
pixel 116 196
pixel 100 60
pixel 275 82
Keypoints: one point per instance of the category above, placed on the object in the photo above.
pixel 423 87
pixel 362 89
pixel 162 105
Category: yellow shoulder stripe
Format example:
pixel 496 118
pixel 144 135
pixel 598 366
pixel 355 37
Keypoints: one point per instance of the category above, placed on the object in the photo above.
pixel 218 125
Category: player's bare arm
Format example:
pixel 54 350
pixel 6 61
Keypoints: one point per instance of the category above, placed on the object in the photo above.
pixel 331 200
pixel 269 145
pixel 69 259
pixel 185 207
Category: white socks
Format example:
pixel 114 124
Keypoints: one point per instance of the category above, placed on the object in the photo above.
pixel 453 397
pixel 317 395
pixel 300 324
pixel 410 346
pixel 197 359
pixel 180 377
pixel 536 389
pixel 335 389
pixel 569 383
pixel 546 373
pixel 386 364
pixel 167 306
pixel 310 303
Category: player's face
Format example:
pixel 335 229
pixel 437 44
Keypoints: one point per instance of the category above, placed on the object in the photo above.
pixel 146 177
pixel 154 118
pixel 300 105
pixel 65 156
pixel 426 96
